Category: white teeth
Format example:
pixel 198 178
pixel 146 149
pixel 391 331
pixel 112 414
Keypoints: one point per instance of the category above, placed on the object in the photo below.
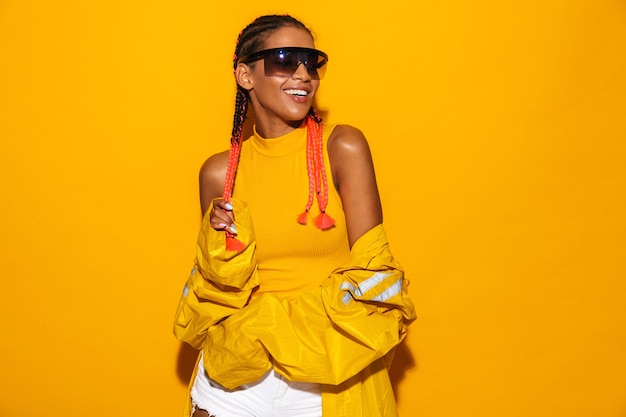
pixel 295 92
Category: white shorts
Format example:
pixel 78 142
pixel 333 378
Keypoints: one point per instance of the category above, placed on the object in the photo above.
pixel 271 396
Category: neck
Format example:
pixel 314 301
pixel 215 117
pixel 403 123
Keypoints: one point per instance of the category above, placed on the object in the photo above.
pixel 268 130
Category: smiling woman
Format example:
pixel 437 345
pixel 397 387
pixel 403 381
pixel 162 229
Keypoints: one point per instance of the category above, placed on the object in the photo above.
pixel 293 319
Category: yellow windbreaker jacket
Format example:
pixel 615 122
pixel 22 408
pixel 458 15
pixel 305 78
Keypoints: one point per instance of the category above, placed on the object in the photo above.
pixel 340 335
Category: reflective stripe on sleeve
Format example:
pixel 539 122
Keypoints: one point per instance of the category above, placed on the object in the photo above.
pixel 370 283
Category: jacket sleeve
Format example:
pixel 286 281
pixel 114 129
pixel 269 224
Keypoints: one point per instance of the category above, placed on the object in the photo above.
pixel 220 282
pixel 359 313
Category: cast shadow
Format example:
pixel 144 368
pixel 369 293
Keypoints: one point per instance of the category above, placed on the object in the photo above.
pixel 322 112
pixel 402 361
pixel 186 362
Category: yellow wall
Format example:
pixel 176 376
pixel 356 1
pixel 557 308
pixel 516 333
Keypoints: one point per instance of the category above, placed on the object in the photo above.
pixel 499 135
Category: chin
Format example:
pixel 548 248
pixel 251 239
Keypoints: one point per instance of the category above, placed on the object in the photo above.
pixel 298 116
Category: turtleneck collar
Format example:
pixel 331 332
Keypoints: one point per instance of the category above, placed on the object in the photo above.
pixel 283 145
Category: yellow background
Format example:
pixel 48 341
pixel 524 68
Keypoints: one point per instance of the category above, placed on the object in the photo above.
pixel 499 135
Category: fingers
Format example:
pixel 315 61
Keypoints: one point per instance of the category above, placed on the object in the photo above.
pixel 222 217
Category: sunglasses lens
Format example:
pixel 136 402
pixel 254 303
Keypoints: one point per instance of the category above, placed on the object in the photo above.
pixel 280 64
pixel 284 63
pixel 317 66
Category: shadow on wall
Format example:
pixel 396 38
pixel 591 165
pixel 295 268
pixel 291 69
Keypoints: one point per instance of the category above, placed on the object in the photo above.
pixel 187 358
pixel 402 362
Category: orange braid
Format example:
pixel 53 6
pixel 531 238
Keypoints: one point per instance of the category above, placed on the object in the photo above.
pixel 318 183
pixel 241 107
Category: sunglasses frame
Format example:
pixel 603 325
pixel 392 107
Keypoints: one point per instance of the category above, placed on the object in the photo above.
pixel 255 56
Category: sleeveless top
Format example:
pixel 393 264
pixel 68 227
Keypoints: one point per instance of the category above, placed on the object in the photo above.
pixel 272 178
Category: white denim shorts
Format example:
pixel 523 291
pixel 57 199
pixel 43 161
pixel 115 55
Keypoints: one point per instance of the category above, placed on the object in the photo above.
pixel 271 396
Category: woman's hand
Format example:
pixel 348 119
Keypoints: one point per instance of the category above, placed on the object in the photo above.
pixel 221 216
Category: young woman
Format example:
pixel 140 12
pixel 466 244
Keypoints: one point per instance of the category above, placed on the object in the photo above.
pixel 295 299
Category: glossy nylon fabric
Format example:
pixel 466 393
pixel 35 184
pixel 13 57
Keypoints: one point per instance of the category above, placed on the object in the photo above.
pixel 220 282
pixel 341 334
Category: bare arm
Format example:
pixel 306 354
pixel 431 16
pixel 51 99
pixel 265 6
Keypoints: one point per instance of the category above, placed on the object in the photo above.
pixel 212 176
pixel 354 177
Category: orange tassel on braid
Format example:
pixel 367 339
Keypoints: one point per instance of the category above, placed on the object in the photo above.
pixel 318 183
pixel 310 168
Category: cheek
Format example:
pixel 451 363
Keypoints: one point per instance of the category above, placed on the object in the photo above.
pixel 316 85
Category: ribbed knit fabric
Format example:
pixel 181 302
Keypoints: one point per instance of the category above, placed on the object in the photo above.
pixel 272 178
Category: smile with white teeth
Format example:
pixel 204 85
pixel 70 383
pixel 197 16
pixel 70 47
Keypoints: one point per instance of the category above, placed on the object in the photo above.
pixel 295 92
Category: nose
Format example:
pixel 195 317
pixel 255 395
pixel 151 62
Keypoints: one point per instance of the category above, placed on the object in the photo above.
pixel 301 72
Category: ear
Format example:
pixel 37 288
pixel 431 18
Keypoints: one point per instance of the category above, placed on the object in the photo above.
pixel 243 75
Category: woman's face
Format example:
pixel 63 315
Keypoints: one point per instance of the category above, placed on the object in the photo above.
pixel 282 100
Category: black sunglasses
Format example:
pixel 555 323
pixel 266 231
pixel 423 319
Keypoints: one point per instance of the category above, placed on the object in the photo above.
pixel 284 62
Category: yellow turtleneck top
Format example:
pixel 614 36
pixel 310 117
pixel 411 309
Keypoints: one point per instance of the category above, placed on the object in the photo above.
pixel 272 178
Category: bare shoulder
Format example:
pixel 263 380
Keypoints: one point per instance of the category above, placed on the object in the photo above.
pixel 212 177
pixel 213 170
pixel 354 178
pixel 346 140
pixel 349 154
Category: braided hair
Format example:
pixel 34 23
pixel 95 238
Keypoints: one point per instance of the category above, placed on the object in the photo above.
pixel 251 39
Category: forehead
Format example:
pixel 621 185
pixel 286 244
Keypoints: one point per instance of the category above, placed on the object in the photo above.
pixel 289 36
